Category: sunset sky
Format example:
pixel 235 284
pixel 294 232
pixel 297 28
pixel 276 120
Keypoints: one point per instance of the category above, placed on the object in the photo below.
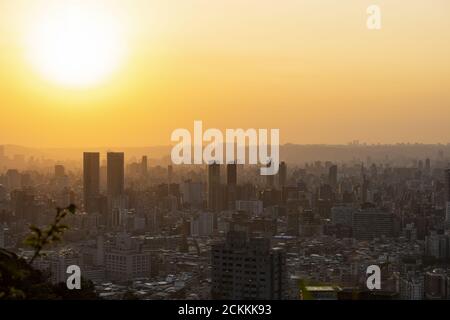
pixel 308 67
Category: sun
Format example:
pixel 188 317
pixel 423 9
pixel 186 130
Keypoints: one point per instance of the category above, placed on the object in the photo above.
pixel 75 45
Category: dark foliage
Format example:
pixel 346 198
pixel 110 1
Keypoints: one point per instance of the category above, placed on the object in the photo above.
pixel 19 280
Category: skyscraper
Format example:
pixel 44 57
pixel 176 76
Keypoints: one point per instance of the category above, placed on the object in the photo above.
pixel 447 184
pixel 427 165
pixel 364 189
pixel 169 178
pixel 169 174
pixel 115 174
pixel 420 165
pixel 447 197
pixel 231 187
pixel 270 179
pixel 232 174
pixel 282 174
pixel 144 166
pixel 91 179
pixel 213 186
pixel 332 176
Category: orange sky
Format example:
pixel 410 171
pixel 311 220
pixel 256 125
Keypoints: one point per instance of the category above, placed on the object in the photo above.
pixel 310 68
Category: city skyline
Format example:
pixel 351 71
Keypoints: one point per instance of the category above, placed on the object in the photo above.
pixel 309 232
pixel 249 151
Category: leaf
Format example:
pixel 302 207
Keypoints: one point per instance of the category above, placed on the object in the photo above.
pixel 72 208
pixel 35 230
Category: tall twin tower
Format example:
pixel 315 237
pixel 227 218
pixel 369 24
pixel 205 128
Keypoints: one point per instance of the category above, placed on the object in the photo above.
pixel 91 177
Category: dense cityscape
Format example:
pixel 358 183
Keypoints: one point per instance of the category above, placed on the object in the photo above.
pixel 148 230
pixel 199 159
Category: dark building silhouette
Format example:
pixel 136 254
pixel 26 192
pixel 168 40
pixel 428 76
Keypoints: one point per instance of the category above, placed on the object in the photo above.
pixel 144 166
pixel 169 178
pixel 282 174
pixel 325 192
pixel 332 176
pixel 214 189
pixel 447 185
pixel 447 197
pixel 364 189
pixel 270 179
pixel 24 206
pixel 427 165
pixel 232 174
pixel 91 180
pixel 115 174
pixel 231 187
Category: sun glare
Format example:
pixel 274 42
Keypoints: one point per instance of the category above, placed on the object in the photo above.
pixel 75 45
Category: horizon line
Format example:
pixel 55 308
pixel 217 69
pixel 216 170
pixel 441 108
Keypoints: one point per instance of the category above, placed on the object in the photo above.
pixel 348 144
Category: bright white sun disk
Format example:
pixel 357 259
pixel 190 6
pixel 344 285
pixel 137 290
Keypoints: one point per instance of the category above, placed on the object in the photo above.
pixel 75 46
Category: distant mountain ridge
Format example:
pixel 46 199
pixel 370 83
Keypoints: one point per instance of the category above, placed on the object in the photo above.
pixel 291 153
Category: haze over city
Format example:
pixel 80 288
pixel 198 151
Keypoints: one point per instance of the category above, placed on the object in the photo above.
pixel 251 150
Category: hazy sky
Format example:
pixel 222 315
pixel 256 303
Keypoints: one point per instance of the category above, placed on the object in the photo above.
pixel 308 67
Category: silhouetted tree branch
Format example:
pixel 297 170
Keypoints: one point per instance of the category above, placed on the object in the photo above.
pixel 39 238
pixel 18 278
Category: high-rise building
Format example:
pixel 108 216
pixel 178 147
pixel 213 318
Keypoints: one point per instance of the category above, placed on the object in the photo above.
pixel 437 245
pixel 24 205
pixel 169 178
pixel 364 189
pixel 420 165
pixel 2 236
pixel 13 179
pixel 447 197
pixel 202 224
pixel 169 174
pixel 282 174
pixel 447 184
pixel 332 176
pixel 270 179
pixel 115 174
pixel 192 193
pixel 325 192
pixel 293 221
pixel 342 215
pixel 117 204
pixel 3 193
pixel 231 174
pixel 91 180
pixel 247 269
pixel 372 223
pixel 427 165
pixel 213 202
pixel 144 166
pixel 103 175
pixel 231 187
